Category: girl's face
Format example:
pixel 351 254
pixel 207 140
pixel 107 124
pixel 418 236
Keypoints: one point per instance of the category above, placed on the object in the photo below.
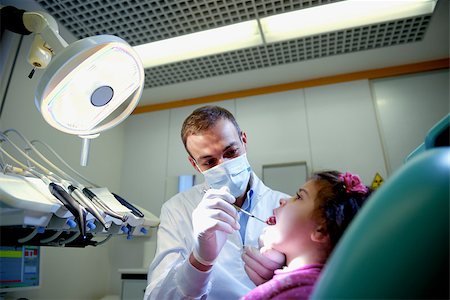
pixel 294 222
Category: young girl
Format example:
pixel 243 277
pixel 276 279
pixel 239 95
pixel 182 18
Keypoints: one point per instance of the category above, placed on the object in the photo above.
pixel 306 228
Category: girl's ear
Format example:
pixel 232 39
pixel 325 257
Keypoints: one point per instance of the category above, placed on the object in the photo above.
pixel 320 235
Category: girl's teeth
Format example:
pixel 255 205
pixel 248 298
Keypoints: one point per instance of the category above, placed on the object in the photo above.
pixel 271 220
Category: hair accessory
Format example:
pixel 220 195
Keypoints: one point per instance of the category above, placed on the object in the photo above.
pixel 353 183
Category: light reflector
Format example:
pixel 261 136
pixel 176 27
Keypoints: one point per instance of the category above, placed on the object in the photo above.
pixel 87 82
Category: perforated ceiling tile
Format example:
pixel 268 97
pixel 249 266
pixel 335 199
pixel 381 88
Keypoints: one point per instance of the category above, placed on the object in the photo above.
pixel 334 43
pixel 141 21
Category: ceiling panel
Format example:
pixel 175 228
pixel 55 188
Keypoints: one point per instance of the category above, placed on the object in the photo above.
pixel 140 22
pixel 314 47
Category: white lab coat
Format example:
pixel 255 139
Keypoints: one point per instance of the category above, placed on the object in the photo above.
pixel 170 274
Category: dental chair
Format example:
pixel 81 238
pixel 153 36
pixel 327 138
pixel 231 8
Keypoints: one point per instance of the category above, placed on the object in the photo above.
pixel 397 247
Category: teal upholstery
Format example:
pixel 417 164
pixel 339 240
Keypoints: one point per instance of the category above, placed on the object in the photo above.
pixel 437 136
pixel 415 152
pixel 397 247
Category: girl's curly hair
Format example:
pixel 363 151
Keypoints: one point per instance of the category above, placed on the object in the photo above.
pixel 335 206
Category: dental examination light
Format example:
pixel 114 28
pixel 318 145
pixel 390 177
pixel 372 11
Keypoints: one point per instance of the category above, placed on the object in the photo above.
pixel 88 86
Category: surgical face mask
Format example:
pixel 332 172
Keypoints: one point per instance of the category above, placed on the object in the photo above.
pixel 233 173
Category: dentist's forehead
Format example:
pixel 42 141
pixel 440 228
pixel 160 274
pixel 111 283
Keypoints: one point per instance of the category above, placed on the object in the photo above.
pixel 214 139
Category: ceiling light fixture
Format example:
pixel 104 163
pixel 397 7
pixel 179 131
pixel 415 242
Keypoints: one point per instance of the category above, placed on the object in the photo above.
pixel 213 41
pixel 340 15
pixel 296 24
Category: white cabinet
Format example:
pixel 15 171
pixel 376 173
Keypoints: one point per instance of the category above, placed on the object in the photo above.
pixel 134 282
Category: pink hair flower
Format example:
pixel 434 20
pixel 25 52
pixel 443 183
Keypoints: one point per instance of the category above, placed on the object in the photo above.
pixel 353 183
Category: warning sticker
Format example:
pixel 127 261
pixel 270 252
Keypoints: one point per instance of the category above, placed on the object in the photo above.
pixel 377 181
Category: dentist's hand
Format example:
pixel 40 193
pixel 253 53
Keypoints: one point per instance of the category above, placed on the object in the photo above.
pixel 261 264
pixel 213 219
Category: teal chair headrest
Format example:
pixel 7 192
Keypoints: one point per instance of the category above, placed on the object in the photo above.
pixel 398 244
pixel 437 136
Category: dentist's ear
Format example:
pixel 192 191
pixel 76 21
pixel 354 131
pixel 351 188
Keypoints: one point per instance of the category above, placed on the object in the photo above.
pixel 244 140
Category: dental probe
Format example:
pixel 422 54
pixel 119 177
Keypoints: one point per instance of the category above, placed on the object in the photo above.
pixel 244 211
pixel 247 213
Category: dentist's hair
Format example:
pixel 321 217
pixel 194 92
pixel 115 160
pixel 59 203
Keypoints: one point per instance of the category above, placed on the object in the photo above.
pixel 339 198
pixel 203 118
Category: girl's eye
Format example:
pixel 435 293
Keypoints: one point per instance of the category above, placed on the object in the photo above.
pixel 297 196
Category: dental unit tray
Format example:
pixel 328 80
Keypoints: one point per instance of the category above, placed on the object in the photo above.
pixel 30 214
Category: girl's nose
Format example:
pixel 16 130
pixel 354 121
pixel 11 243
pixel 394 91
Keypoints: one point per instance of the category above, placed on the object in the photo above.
pixel 282 202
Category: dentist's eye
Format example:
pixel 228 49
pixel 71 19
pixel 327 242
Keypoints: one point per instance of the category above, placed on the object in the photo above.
pixel 231 153
pixel 210 163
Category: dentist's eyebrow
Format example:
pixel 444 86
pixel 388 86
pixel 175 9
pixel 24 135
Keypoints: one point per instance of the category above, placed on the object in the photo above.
pixel 205 157
pixel 232 144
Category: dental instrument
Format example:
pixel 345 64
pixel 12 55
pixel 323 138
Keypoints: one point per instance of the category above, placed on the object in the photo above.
pixel 39 207
pixel 86 191
pixel 76 187
pixel 57 190
pixel 247 213
pixel 78 211
pixel 244 211
pixel 134 210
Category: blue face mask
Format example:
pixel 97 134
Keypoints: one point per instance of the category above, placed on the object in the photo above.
pixel 234 174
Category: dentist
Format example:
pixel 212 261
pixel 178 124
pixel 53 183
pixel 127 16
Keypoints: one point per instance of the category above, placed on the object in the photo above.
pixel 205 247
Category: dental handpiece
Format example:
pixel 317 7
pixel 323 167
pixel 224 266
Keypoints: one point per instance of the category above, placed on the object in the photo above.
pixel 91 195
pixel 71 204
pixel 90 207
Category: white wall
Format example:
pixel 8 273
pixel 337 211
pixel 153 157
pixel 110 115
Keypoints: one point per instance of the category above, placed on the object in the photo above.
pixel 408 107
pixel 343 129
pixel 335 126
pixel 276 128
